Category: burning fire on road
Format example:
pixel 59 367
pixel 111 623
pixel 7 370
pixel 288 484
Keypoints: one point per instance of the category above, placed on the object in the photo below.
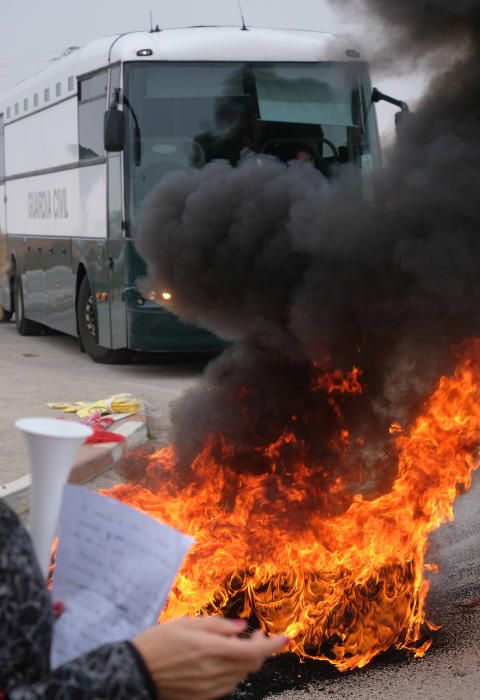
pixel 319 453
pixel 345 587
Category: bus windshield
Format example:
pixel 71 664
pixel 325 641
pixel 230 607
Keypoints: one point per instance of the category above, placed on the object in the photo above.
pixel 183 115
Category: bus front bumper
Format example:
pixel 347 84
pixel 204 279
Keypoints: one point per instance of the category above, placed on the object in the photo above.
pixel 154 329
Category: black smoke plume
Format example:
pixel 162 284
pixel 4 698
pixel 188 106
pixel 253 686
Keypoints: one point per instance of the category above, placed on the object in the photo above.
pixel 413 27
pixel 308 276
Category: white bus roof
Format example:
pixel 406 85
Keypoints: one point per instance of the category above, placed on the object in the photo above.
pixel 190 44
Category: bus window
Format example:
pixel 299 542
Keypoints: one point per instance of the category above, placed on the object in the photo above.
pixel 91 108
pixel 94 87
pixel 304 94
pixel 187 115
pixel 114 170
pixel 371 153
pixel 309 104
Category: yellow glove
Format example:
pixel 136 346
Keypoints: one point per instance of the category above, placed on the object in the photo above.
pixel 124 403
pixel 82 408
pixel 65 407
pixel 88 409
pixel 118 403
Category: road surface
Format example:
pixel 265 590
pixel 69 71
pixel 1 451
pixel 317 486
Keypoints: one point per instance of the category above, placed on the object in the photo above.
pixel 35 371
pixel 451 668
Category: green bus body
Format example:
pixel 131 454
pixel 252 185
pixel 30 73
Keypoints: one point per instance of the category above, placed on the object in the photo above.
pixel 177 115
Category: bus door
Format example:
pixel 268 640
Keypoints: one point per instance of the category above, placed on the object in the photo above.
pixel 115 248
pixel 3 223
pixel 116 253
pixel 5 298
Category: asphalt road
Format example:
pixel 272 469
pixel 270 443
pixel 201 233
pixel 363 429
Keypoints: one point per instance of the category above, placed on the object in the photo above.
pixel 37 370
pixel 451 668
pixel 34 371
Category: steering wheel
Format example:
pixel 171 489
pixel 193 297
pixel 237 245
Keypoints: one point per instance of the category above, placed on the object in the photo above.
pixel 332 147
pixel 200 154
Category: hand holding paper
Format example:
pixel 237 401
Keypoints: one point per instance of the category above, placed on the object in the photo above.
pixel 114 570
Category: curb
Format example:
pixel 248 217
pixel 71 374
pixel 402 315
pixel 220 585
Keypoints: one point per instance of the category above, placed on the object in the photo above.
pixel 91 462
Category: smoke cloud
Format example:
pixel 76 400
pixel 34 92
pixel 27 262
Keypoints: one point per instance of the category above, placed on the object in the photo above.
pixel 307 275
pixel 431 33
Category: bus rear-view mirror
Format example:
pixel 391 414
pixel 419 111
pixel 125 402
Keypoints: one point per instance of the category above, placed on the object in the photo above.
pixel 114 130
pixel 400 117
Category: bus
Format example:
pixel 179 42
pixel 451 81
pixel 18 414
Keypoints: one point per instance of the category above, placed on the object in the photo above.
pixel 84 141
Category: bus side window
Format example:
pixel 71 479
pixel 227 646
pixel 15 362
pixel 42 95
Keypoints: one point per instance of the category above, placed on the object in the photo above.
pixel 92 101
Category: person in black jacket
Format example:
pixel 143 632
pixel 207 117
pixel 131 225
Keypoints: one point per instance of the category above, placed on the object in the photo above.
pixel 187 659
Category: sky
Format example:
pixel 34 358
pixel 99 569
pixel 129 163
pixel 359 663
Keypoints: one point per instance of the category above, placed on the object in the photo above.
pixel 32 32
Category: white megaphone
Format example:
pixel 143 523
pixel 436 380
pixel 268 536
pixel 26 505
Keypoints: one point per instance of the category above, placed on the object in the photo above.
pixel 52 445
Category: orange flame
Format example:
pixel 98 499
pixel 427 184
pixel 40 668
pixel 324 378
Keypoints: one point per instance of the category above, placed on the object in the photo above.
pixel 344 587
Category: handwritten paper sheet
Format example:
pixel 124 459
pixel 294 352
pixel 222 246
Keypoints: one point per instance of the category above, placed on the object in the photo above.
pixel 114 569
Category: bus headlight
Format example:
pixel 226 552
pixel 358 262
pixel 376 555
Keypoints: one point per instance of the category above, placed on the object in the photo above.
pixel 159 296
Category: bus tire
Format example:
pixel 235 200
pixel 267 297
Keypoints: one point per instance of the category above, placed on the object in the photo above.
pixel 8 315
pixel 5 316
pixel 24 325
pixel 87 330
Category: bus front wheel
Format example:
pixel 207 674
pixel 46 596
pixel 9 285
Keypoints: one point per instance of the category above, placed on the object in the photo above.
pixel 24 325
pixel 5 316
pixel 87 330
